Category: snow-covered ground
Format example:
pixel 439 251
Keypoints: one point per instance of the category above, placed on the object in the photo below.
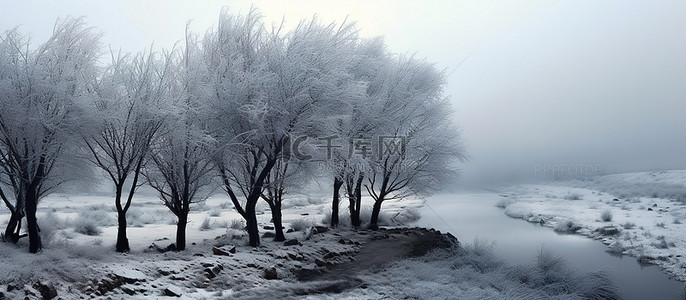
pixel 78 260
pixel 79 232
pixel 637 214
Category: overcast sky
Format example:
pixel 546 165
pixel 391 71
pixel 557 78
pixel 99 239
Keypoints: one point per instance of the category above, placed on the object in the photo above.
pixel 535 84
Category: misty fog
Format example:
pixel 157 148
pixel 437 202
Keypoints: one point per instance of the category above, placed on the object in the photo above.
pixel 563 84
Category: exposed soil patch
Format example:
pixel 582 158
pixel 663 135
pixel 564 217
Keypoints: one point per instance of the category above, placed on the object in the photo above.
pixel 378 250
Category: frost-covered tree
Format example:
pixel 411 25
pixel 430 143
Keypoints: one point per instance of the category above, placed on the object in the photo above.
pixel 181 169
pixel 233 112
pixel 124 119
pixel 280 87
pixel 356 121
pixel 416 144
pixel 39 119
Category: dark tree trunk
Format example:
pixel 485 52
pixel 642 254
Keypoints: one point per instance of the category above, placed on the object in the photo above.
pixel 374 223
pixel 337 183
pixel 13 227
pixel 181 231
pixel 277 219
pixel 122 240
pixel 349 188
pixel 251 223
pixel 35 244
pixel 355 215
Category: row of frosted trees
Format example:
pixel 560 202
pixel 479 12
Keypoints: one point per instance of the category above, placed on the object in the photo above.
pixel 251 109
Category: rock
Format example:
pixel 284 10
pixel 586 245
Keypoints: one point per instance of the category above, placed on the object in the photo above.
pixel 268 227
pixel 452 238
pixel 171 247
pixel 224 250
pixel 305 214
pixel 319 262
pixel 292 242
pixel 154 247
pixel 47 291
pixel 650 209
pixel 342 241
pixel 290 230
pixel 11 287
pixel 320 229
pixel 128 290
pixel 213 271
pixel 270 273
pixel 645 260
pixel 654 204
pixel 615 199
pixel 159 249
pixel 268 234
pixel 172 291
pixel 128 276
pixel 607 230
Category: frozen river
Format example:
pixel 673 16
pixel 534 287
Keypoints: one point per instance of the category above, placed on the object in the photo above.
pixel 472 216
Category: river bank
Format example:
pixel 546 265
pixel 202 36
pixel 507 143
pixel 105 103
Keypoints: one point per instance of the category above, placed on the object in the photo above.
pixel 648 228
pixel 322 263
pixel 474 217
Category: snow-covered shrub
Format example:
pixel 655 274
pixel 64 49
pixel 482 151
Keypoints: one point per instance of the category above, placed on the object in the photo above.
pixel 628 225
pixel 662 243
pixel 51 226
pixel 137 217
pixel 407 215
pixel 366 217
pixel 235 234
pixel 205 225
pixel 90 219
pixel 616 248
pixel 567 226
pixel 503 203
pixel 300 224
pixel 478 255
pixel 220 224
pixel 573 196
pixel 516 210
pixel 237 224
pixel 87 226
pixel 606 216
pixel 343 219
pixel 216 212
pixel 661 225
pixel 676 221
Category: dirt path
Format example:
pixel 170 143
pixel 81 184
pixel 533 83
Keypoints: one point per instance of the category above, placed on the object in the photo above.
pixel 379 249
